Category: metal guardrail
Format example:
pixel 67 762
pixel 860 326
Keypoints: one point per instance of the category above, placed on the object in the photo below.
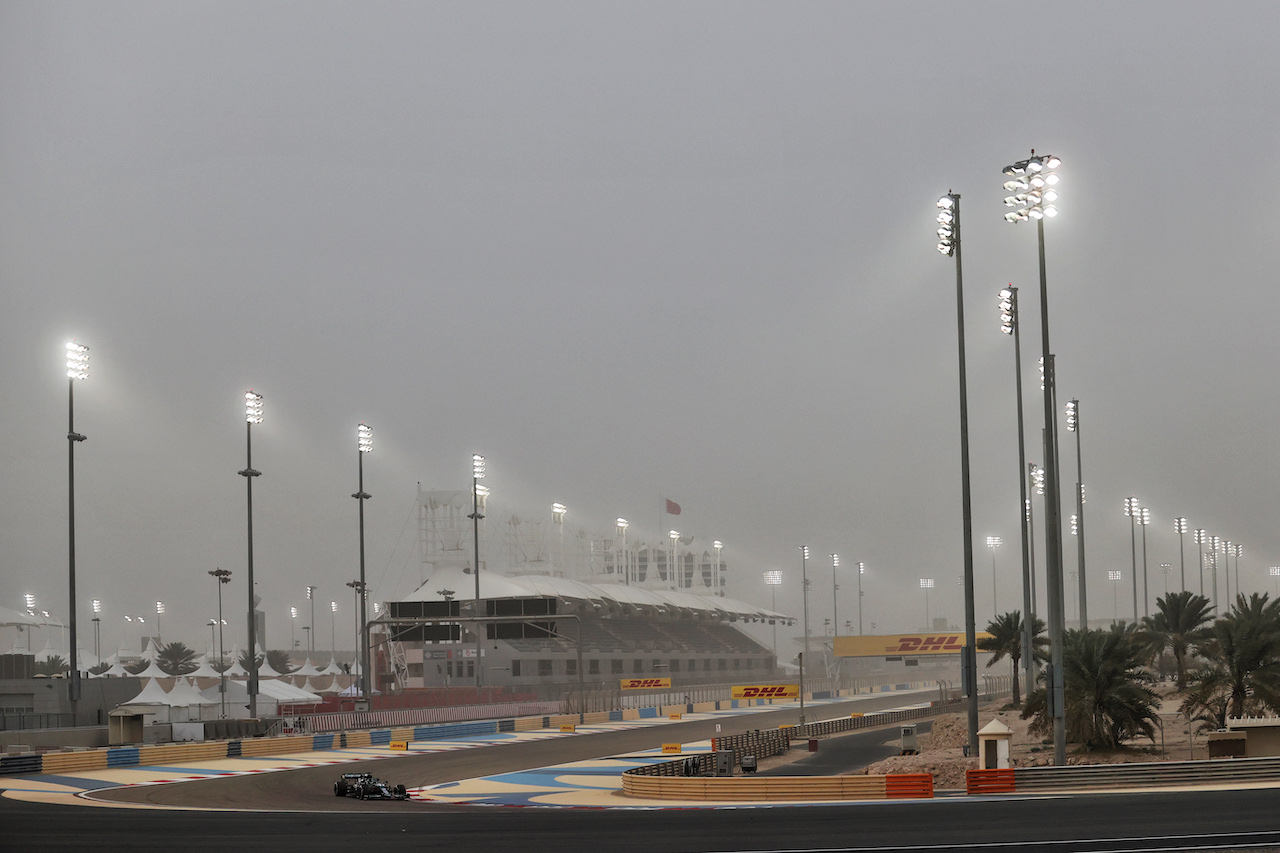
pixel 1146 774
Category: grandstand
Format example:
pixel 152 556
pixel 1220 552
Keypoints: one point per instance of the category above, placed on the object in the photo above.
pixel 616 631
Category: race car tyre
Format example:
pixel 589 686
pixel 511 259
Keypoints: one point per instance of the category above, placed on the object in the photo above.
pixel 339 789
pixel 402 792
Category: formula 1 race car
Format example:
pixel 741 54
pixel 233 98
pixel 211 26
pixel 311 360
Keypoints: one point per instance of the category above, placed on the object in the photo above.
pixel 365 786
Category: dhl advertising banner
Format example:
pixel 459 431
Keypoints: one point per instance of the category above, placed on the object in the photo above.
pixel 645 683
pixel 766 691
pixel 902 644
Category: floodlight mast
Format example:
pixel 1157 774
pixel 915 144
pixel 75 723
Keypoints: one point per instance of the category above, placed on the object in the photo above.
pixel 364 444
pixel 949 245
pixel 252 415
pixel 1032 184
pixel 77 369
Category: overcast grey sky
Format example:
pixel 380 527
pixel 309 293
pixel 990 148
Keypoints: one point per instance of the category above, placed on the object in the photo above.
pixel 623 250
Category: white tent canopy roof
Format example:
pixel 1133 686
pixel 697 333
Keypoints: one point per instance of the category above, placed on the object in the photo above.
pixel 151 694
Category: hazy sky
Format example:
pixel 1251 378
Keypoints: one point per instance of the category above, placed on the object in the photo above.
pixel 623 250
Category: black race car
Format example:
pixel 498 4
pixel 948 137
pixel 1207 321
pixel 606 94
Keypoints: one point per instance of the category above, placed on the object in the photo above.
pixel 365 786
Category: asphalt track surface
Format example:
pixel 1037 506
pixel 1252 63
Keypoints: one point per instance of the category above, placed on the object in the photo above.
pixel 299 812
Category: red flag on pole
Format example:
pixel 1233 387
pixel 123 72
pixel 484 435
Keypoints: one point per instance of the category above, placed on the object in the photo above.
pixel 673 508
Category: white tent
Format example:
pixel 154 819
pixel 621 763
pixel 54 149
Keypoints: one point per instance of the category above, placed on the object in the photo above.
pixel 236 671
pixel 331 687
pixel 115 670
pixel 205 670
pixel 151 694
pixel 307 669
pixel 184 693
pixel 271 694
pixel 153 670
pixel 332 668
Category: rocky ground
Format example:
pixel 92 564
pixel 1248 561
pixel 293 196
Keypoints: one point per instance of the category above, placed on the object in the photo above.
pixel 942 749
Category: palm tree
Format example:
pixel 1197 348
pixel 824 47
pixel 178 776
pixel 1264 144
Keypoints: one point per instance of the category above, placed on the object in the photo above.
pixel 55 665
pixel 279 661
pixel 1246 643
pixel 1179 625
pixel 1006 641
pixel 99 668
pixel 176 659
pixel 1108 699
pixel 1208 697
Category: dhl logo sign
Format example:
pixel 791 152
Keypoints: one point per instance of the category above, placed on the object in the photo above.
pixel 767 691
pixel 645 683
pixel 902 644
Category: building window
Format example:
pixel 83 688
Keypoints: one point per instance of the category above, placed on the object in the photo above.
pixel 706 665
pixel 571 667
pixel 693 666
pixel 724 664
pixel 593 666
pixel 737 663
pixel 515 668
pixel 675 665
pixel 471 669
pixel 615 666
pixel 544 667
pixel 637 665
pixel 657 664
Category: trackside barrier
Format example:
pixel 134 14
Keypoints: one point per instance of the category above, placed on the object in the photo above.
pixel 346 720
pixel 1148 774
pixel 1151 774
pixel 778 788
pixel 978 782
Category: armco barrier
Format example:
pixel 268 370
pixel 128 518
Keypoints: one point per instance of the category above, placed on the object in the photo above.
pixel 1150 774
pixel 777 788
pixel 1147 774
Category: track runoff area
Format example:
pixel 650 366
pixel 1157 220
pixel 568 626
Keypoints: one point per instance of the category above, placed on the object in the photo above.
pixel 553 768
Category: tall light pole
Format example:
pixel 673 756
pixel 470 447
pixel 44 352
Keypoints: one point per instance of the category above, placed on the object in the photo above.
pixel 674 536
pixel 1275 573
pixel 1073 425
pixel 1010 324
pixel 773 579
pixel 835 609
pixel 311 626
pixel 994 542
pixel 1226 568
pixel 949 245
pixel 1165 569
pixel 1201 538
pixel 1133 509
pixel 623 524
pixel 927 584
pixel 1180 528
pixel 293 632
pixel 1144 518
pixel 333 632
pixel 358 591
pixel 364 444
pixel 862 570
pixel 221 577
pixel 718 580
pixel 1032 182
pixel 557 514
pixel 477 474
pixel 97 637
pixel 252 415
pixel 77 368
pixel 1214 544
pixel 1035 478
pixel 804 591
pixel 1115 576
pixel 159 613
pixel 1238 552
